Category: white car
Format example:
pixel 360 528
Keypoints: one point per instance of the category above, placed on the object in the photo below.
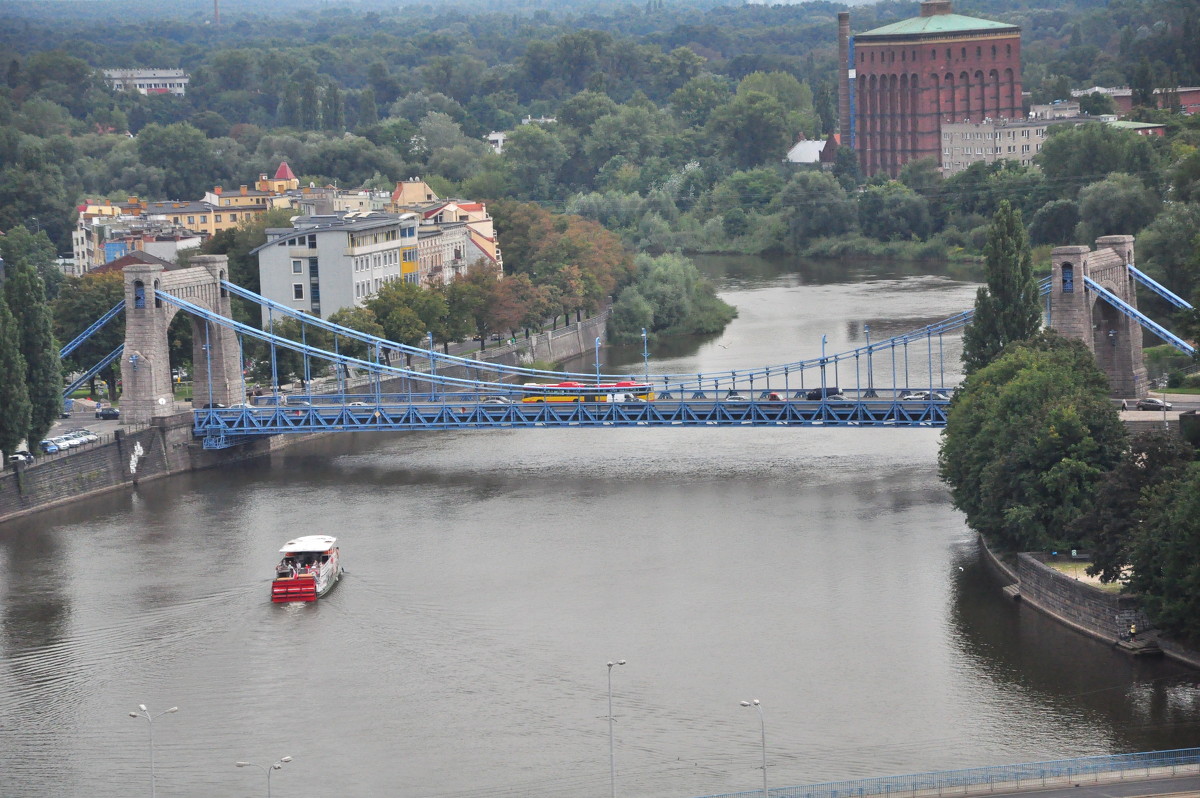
pixel 924 396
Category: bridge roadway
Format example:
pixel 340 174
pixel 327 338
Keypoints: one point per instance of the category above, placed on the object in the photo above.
pixel 471 411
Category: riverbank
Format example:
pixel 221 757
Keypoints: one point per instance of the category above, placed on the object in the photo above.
pixel 1080 605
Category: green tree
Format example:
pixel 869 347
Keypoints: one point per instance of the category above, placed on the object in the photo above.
pixel 814 204
pixel 1008 309
pixel 1072 157
pixel 35 324
pixel 893 211
pixel 1027 439
pixel 362 320
pixel 535 155
pixel 1054 222
pixel 14 397
pixel 1119 204
pixel 184 153
pixel 81 301
pixel 368 112
pixel 1165 555
pixel 751 129
pixel 1108 526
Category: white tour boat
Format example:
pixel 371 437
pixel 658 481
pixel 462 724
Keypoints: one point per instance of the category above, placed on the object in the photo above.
pixel 309 569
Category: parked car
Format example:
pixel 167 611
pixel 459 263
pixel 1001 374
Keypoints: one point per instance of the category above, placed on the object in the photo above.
pixel 924 396
pixel 20 457
pixel 63 443
pixel 108 413
pixel 48 447
pixel 1150 403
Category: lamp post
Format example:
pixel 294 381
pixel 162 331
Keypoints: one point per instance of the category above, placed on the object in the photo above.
pixel 597 360
pixel 763 729
pixel 277 765
pixel 145 713
pixel 612 762
pixel 645 354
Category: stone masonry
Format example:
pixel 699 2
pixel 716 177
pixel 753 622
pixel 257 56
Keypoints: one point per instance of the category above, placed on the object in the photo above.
pixel 145 368
pixel 1076 312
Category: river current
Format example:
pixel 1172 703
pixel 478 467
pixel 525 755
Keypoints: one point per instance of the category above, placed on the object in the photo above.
pixel 492 575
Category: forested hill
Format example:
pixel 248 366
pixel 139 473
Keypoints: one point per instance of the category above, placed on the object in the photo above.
pixel 670 119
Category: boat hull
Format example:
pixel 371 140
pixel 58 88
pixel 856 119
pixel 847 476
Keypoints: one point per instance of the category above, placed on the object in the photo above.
pixel 303 587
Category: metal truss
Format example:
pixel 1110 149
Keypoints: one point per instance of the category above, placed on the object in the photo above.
pixel 463 412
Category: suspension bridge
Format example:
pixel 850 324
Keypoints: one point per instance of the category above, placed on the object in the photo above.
pixel 897 381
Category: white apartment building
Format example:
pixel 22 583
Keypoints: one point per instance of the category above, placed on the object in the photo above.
pixel 324 263
pixel 148 81
pixel 965 143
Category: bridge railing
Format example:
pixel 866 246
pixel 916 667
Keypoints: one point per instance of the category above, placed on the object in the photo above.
pixel 999 778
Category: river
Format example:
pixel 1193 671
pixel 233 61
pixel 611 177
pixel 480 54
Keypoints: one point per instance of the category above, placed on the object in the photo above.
pixel 492 575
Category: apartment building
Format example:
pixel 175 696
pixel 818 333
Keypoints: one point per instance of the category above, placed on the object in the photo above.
pixel 965 143
pixel 324 263
pixel 148 81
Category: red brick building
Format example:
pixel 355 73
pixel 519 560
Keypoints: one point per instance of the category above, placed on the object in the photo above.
pixel 911 76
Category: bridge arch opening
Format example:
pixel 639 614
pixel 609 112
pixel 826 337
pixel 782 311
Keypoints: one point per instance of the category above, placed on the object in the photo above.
pixel 1068 278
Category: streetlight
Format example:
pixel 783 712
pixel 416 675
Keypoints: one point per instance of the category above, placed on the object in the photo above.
pixel 278 765
pixel 597 360
pixel 145 713
pixel 762 728
pixel 612 762
pixel 645 354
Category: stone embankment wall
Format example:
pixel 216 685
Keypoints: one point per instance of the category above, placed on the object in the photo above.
pixel 167 446
pixel 1082 606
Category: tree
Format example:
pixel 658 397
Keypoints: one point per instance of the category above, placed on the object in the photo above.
pixel 1119 204
pixel 1072 156
pixel 814 204
pixel 362 320
pixel 1008 309
pixel 81 301
pixel 184 153
pixel 1108 526
pixel 1027 439
pixel 535 156
pixel 1165 555
pixel 43 371
pixel 14 398
pixel 893 211
pixel 751 129
pixel 368 112
pixel 1054 222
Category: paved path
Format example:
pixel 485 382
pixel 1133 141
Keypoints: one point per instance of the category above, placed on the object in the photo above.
pixel 1188 785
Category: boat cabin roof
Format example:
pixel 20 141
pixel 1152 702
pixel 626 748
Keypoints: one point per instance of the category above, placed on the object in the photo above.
pixel 309 543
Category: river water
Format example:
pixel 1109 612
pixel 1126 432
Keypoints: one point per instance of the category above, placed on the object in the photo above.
pixel 492 575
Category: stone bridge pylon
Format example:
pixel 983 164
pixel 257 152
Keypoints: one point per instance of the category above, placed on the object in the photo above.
pixel 145 366
pixel 1078 312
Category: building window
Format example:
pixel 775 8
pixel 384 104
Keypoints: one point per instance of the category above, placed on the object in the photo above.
pixel 979 52
pixel 233 217
pixel 1008 49
pixel 312 242
pixel 964 52
pixel 296 267
pixel 204 219
pixel 947 53
pixel 297 290
pixel 933 54
pixel 217 217
pixel 993 51
pixel 191 220
pixel 1024 148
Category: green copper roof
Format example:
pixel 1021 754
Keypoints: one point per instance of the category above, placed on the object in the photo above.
pixel 938 23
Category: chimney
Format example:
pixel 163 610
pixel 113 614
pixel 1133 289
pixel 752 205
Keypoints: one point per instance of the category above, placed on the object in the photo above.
pixel 245 190
pixel 217 190
pixel 932 8
pixel 844 77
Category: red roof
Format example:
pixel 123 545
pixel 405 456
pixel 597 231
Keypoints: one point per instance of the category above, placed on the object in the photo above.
pixel 284 172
